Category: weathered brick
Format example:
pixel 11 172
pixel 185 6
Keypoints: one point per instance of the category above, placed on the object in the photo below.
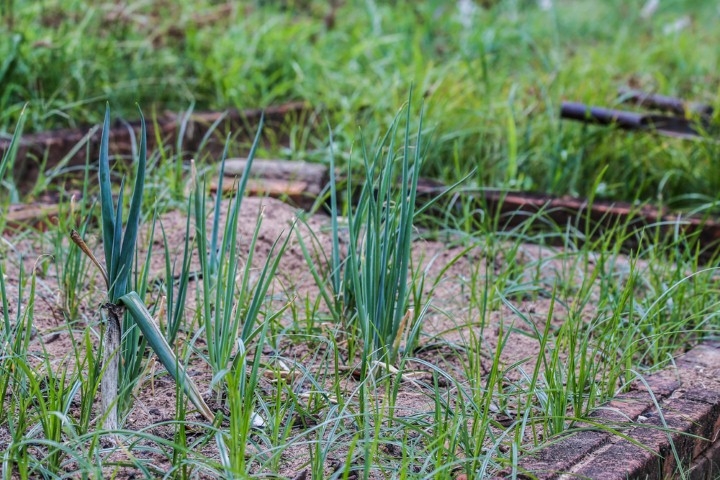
pixel 712 459
pixel 707 466
pixel 662 384
pixel 704 355
pixel 702 394
pixel 626 407
pixel 561 456
pixel 688 419
pixel 625 460
pixel 689 396
pixel 622 460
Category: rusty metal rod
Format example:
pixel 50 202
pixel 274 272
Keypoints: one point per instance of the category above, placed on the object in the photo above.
pixel 666 125
pixel 665 103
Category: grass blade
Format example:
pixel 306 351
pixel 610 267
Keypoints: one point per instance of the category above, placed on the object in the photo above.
pixel 114 265
pixel 8 158
pixel 214 254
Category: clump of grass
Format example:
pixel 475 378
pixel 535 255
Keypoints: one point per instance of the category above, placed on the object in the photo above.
pixel 227 310
pixel 380 229
pixel 369 290
pixel 175 300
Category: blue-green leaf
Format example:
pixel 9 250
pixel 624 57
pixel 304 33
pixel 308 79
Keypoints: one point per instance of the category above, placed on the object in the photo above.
pixel 129 240
pixel 106 201
pixel 157 342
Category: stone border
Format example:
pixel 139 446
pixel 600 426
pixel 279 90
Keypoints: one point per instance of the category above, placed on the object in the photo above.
pixel 688 394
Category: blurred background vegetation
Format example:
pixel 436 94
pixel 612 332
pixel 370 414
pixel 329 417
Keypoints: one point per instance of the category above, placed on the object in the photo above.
pixel 491 76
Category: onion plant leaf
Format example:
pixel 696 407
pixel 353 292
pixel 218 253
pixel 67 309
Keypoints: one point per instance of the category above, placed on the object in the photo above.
pixel 157 342
pixel 127 251
pixel 106 201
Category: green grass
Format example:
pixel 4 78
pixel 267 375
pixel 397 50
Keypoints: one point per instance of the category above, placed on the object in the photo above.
pixel 492 89
pixel 317 377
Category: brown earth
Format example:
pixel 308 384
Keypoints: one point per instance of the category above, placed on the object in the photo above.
pixel 453 324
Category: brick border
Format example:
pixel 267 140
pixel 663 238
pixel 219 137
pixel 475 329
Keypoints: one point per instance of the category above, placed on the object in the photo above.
pixel 689 397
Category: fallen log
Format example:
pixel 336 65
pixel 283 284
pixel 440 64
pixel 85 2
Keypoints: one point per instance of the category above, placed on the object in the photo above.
pixel 296 182
pixel 663 124
pixel 674 105
pixel 70 147
pixel 598 217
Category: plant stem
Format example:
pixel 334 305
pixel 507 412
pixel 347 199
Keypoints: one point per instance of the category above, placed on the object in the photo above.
pixel 111 365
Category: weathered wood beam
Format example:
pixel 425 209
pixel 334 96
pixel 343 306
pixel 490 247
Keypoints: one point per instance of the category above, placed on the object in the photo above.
pixel 47 149
pixel 302 183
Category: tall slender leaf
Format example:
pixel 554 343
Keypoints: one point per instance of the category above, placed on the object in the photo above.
pixel 106 201
pixel 127 251
pixel 8 158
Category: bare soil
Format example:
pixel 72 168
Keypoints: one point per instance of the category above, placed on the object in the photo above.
pixel 452 325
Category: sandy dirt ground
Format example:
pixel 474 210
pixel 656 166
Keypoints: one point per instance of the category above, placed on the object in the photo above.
pixel 453 328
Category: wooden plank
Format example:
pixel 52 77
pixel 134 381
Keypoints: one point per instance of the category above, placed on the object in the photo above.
pixel 603 216
pixel 37 216
pixel 52 147
pixel 312 173
pixel 296 182
pixel 301 183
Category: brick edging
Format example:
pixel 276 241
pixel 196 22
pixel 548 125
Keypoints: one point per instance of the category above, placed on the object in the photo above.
pixel 689 399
